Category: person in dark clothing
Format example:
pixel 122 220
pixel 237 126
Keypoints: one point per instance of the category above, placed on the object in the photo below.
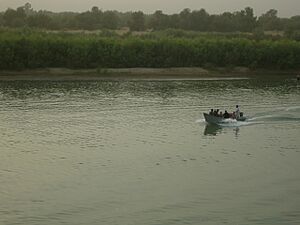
pixel 211 112
pixel 226 115
pixel 216 112
pixel 237 112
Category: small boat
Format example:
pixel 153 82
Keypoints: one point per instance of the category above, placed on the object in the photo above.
pixel 217 120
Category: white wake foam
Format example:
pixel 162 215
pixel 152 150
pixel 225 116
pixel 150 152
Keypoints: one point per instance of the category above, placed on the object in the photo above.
pixel 200 121
pixel 292 108
pixel 260 117
pixel 235 123
pixel 229 123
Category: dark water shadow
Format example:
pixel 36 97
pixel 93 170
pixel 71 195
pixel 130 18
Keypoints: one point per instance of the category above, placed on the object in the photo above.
pixel 215 130
pixel 212 129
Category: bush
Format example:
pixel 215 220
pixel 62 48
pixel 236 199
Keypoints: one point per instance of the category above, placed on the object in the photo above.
pixel 21 49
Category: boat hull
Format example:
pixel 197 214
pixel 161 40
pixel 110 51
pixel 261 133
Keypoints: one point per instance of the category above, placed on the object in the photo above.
pixel 217 120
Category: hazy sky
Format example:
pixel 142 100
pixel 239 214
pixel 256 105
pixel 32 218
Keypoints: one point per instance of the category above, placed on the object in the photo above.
pixel 286 8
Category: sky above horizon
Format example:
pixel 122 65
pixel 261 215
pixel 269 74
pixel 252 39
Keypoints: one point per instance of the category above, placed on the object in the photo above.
pixel 286 8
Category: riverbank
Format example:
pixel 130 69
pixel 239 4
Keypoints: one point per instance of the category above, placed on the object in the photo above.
pixel 184 73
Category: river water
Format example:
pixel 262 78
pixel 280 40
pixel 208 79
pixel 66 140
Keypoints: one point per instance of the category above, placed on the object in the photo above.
pixel 139 152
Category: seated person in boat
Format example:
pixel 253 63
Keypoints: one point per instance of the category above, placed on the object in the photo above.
pixel 211 112
pixel 216 112
pixel 232 115
pixel 226 115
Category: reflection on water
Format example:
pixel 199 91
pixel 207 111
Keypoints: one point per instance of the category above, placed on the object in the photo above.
pixel 102 152
pixel 236 130
pixel 212 129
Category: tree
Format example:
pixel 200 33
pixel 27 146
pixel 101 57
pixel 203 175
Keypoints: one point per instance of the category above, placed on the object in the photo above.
pixel 14 18
pixel 1 20
pixel 159 21
pixel 247 20
pixel 110 20
pixel 199 20
pixel 90 20
pixel 174 21
pixel 269 20
pixel 185 21
pixel 95 9
pixel 292 28
pixel 223 23
pixel 137 21
pixel 27 8
pixel 96 19
pixel 40 20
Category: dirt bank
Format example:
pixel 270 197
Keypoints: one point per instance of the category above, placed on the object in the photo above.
pixel 191 73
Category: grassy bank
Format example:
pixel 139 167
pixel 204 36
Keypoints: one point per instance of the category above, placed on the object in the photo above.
pixel 36 50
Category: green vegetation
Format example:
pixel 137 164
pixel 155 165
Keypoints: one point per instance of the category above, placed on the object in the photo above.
pixel 27 49
pixel 188 20
pixel 97 39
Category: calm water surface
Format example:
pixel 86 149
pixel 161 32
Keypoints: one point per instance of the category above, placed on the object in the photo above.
pixel 139 152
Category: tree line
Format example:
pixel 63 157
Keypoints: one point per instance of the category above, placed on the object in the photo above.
pixel 192 20
pixel 33 49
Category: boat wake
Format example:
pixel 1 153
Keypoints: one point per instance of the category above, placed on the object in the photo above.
pixel 293 108
pixel 257 118
pixel 229 123
pixel 287 114
pixel 290 114
pixel 235 123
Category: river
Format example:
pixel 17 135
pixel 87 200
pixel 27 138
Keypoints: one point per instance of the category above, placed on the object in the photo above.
pixel 140 152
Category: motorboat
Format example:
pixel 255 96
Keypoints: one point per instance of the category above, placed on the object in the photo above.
pixel 218 119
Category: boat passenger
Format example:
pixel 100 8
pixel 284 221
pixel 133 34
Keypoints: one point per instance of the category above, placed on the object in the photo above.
pixel 237 112
pixel 211 112
pixel 233 115
pixel 218 113
pixel 226 115
pixel 221 114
